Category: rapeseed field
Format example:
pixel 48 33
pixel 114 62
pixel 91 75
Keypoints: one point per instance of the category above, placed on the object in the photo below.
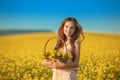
pixel 21 55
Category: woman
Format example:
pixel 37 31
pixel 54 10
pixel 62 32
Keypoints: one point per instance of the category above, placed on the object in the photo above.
pixel 68 34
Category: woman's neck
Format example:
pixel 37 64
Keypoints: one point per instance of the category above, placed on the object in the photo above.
pixel 68 38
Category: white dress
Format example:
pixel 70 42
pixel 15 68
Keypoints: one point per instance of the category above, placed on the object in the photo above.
pixel 65 74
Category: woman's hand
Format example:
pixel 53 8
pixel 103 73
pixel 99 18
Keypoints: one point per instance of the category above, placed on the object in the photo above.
pixel 58 64
pixel 54 64
pixel 47 63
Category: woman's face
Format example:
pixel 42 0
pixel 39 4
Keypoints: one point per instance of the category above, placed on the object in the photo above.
pixel 69 28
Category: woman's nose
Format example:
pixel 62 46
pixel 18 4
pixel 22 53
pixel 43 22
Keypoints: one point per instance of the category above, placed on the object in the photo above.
pixel 68 29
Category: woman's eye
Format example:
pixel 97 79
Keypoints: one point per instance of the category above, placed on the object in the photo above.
pixel 72 27
pixel 66 26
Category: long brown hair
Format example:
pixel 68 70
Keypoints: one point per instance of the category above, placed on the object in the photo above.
pixel 75 36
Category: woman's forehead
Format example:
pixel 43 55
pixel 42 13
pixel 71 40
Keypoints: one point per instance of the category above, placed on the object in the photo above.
pixel 70 23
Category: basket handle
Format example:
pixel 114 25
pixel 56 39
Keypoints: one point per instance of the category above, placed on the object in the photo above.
pixel 51 39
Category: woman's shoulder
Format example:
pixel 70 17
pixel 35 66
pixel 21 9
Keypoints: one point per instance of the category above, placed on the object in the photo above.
pixel 77 41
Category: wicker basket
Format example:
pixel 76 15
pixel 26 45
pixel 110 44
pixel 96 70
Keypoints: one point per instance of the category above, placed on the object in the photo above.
pixel 63 57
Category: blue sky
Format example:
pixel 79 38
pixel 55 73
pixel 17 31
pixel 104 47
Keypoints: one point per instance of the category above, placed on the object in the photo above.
pixel 93 15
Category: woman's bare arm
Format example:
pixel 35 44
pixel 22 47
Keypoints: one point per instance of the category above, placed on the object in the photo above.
pixel 73 64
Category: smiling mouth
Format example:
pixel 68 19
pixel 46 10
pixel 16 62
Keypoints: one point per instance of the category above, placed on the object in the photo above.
pixel 68 32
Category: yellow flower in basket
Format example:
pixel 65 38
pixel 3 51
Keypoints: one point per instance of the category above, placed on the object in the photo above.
pixel 53 55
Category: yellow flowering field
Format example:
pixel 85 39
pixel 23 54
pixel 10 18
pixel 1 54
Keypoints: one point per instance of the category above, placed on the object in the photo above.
pixel 21 55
